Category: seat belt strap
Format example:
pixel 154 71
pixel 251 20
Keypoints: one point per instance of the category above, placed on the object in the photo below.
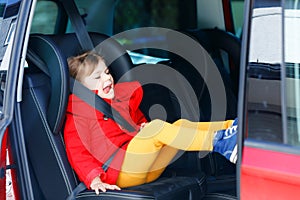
pixel 79 188
pixel 86 43
pixel 98 103
pixel 37 61
pixel 78 24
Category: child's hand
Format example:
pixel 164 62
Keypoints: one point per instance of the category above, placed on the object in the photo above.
pixel 98 185
pixel 143 125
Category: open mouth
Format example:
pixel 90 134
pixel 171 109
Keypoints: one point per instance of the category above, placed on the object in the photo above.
pixel 107 87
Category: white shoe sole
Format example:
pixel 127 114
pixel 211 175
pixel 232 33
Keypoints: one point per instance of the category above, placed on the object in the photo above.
pixel 233 156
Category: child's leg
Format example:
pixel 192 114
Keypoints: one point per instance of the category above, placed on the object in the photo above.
pixel 165 157
pixel 144 149
pixel 127 179
pixel 182 134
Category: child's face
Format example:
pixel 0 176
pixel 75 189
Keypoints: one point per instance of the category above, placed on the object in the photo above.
pixel 101 80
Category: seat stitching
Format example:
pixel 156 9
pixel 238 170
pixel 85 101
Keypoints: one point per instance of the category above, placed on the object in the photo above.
pixel 62 78
pixel 42 115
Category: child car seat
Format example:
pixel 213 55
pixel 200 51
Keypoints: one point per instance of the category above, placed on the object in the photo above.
pixel 45 97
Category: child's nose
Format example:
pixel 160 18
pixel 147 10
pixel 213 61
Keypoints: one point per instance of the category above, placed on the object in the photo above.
pixel 106 76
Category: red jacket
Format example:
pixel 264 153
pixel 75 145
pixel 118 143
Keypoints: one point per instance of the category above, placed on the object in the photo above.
pixel 91 138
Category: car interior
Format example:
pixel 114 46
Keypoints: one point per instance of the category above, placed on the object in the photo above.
pixel 46 88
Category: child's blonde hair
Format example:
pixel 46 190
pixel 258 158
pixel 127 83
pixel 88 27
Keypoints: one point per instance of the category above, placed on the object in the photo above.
pixel 83 65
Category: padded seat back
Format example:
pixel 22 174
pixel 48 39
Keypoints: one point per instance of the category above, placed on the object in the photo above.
pixel 225 49
pixel 217 42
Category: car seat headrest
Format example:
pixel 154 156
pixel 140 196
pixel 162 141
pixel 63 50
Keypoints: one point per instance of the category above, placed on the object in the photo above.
pixel 115 56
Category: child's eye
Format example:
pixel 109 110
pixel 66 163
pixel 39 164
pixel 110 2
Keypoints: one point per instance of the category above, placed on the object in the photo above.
pixel 97 77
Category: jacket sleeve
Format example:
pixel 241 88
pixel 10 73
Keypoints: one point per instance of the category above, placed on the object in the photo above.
pixel 84 164
pixel 140 117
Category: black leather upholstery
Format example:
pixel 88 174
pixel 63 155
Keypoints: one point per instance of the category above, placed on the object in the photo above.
pixel 43 109
pixel 219 196
pixel 221 174
pixel 162 189
pixel 214 40
pixel 55 109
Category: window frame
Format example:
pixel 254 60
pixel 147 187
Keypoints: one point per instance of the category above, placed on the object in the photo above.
pixel 252 142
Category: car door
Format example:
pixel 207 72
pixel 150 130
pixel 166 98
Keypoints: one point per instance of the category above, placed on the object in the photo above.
pixel 14 18
pixel 8 16
pixel 270 101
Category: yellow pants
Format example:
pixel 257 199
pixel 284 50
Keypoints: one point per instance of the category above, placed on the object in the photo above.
pixel 154 147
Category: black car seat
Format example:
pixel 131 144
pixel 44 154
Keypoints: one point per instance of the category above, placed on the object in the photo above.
pixel 45 95
pixel 224 48
pixel 215 41
pixel 217 44
pixel 221 174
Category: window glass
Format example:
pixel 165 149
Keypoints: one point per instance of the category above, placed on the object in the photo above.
pixel 9 13
pixel 264 72
pixel 2 7
pixel 273 85
pixel 237 7
pixel 292 60
pixel 171 14
pixel 45 17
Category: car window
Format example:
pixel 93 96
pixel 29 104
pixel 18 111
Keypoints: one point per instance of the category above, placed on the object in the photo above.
pixel 171 14
pixel 264 74
pixel 273 73
pixel 237 7
pixel 8 18
pixel 44 20
pixel 292 74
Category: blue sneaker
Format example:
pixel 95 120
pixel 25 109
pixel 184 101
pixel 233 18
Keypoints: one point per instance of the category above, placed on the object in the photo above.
pixel 225 142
